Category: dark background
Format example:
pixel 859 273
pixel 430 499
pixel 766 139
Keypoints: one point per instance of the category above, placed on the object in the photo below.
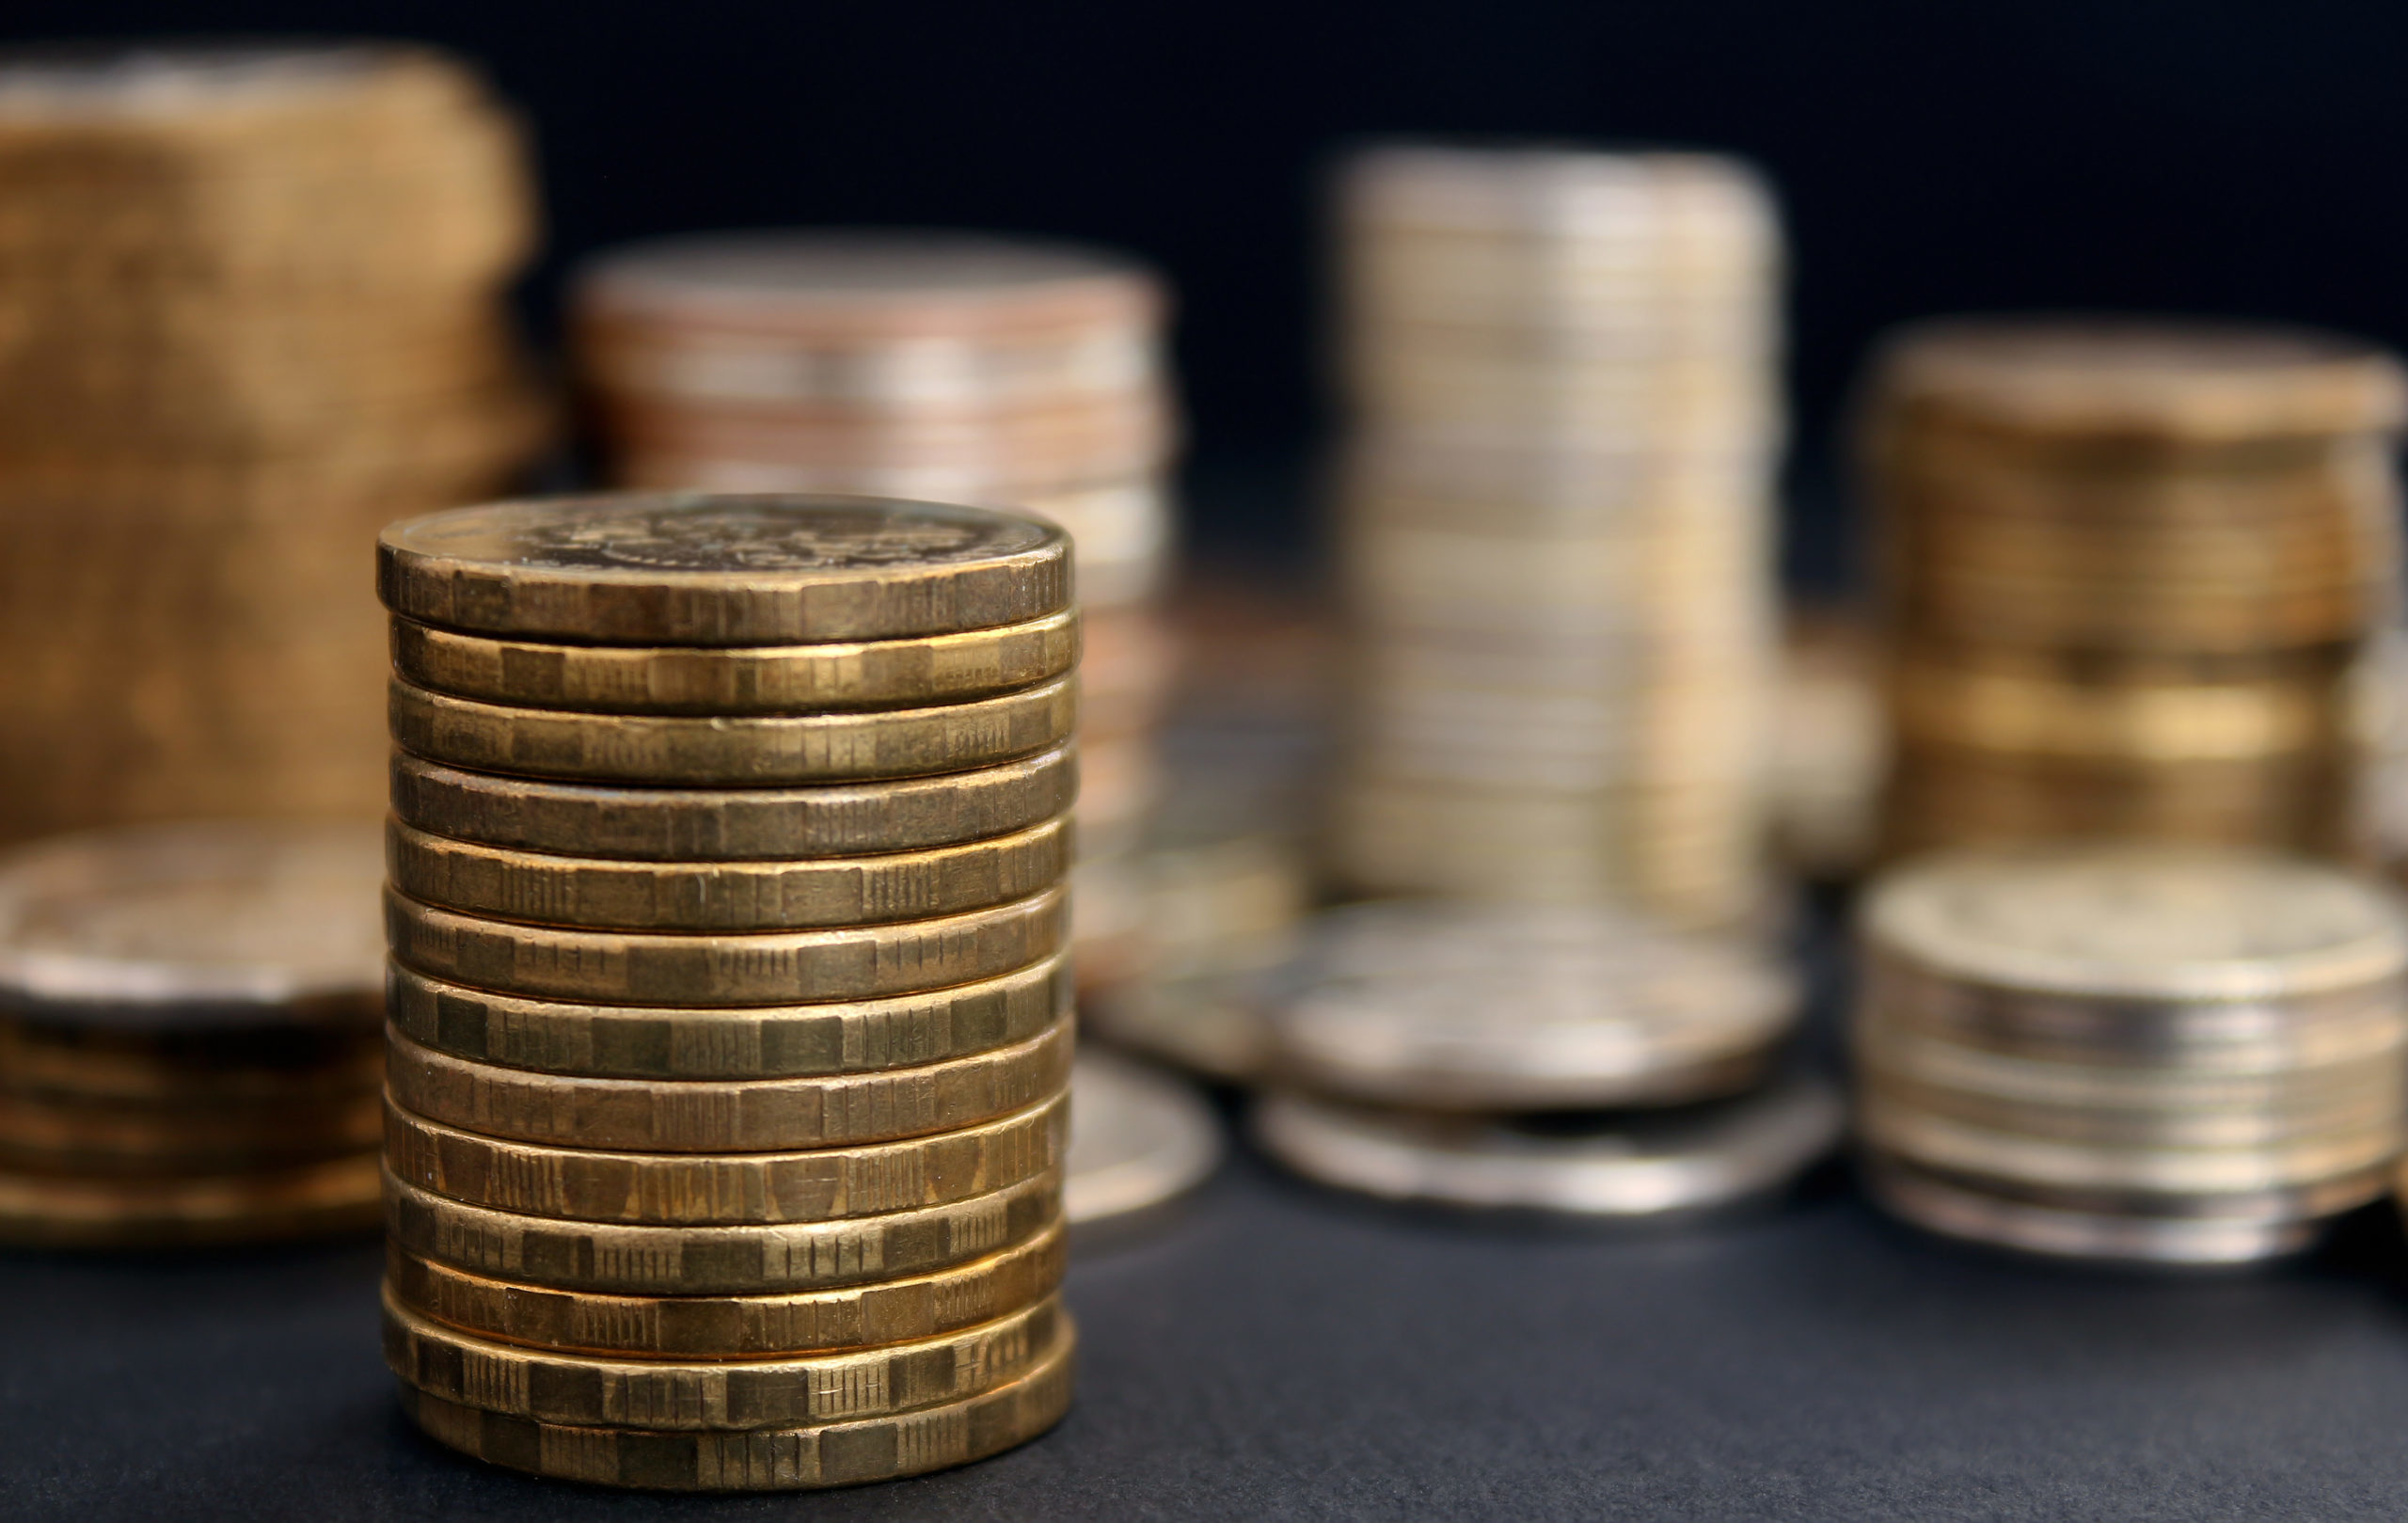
pixel 2148 154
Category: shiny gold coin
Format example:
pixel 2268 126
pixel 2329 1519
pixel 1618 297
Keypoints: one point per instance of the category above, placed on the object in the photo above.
pixel 669 1189
pixel 615 1259
pixel 779 1041
pixel 704 1117
pixel 628 968
pixel 592 892
pixel 791 1459
pixel 1997 706
pixel 656 824
pixel 60 1210
pixel 66 1134
pixel 697 569
pixel 774 679
pixel 721 1394
pixel 734 1327
pixel 773 751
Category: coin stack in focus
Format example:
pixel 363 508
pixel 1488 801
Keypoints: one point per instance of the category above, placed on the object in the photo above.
pixel 730 1020
pixel 189 1034
pixel 2132 574
pixel 249 311
pixel 1555 531
pixel 2180 1055
pixel 959 367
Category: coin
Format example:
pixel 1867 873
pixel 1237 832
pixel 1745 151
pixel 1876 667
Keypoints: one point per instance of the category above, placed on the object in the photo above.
pixel 68 1134
pixel 629 968
pixel 654 824
pixel 719 1395
pixel 628 1260
pixel 709 895
pixel 1139 1139
pixel 837 1454
pixel 668 1189
pixel 673 569
pixel 268 1065
pixel 897 1310
pixel 688 1115
pixel 133 1211
pixel 732 1042
pixel 774 679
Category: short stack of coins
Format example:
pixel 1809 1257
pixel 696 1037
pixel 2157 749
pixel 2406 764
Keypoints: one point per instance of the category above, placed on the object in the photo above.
pixel 2131 573
pixel 730 1018
pixel 1555 527
pixel 250 311
pixel 2174 1055
pixel 190 1034
pixel 961 367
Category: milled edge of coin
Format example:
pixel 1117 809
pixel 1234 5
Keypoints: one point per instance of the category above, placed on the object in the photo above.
pixel 623 1258
pixel 854 745
pixel 733 606
pixel 601 894
pixel 1937 1204
pixel 660 824
pixel 838 1455
pixel 725 1190
pixel 756 968
pixel 1174 1147
pixel 734 1327
pixel 147 1212
pixel 597 1390
pixel 742 1115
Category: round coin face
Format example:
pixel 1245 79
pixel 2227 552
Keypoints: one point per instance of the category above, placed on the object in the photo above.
pixel 1139 1139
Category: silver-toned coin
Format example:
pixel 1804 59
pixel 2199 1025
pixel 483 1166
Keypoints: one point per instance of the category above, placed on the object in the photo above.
pixel 1139 1139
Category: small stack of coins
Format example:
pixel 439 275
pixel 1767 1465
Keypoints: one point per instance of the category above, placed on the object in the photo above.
pixel 2133 573
pixel 730 1021
pixel 2158 1053
pixel 1555 529
pixel 249 311
pixel 189 1044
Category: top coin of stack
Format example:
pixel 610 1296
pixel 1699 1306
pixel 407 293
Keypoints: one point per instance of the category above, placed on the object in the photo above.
pixel 730 1020
pixel 2132 574
pixel 249 311
pixel 1555 532
pixel 2165 1054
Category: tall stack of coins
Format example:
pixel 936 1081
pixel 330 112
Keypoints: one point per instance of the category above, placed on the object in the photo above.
pixel 1555 529
pixel 730 1020
pixel 2163 1054
pixel 249 311
pixel 2133 573
pixel 189 1034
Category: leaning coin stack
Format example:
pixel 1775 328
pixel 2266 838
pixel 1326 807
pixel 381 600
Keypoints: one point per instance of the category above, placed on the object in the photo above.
pixel 730 1020
pixel 250 310
pixel 189 1034
pixel 2177 1054
pixel 1555 529
pixel 2132 576
pixel 959 367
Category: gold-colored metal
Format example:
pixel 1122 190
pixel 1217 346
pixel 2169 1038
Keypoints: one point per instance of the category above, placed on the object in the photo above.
pixel 69 1134
pixel 65 1210
pixel 267 1066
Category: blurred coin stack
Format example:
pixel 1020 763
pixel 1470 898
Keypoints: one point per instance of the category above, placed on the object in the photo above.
pixel 2176 1055
pixel 1826 769
pixel 2132 574
pixel 189 1034
pixel 249 311
pixel 730 1018
pixel 1555 533
pixel 958 367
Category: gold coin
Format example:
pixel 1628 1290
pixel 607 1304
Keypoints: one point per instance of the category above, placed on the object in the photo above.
pixel 689 1116
pixel 777 751
pixel 791 1459
pixel 696 569
pixel 270 1066
pixel 62 1211
pixel 68 1134
pixel 779 1041
pixel 669 1189
pixel 1997 706
pixel 795 967
pixel 733 1326
pixel 618 1259
pixel 775 680
pixel 721 1394
pixel 707 896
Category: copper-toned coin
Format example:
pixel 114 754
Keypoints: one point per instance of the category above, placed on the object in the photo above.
pixel 269 1066
pixel 69 1135
pixel 62 1211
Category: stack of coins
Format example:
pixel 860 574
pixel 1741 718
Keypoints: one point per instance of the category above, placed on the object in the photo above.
pixel 1555 527
pixel 189 1043
pixel 2181 1054
pixel 249 311
pixel 2133 573
pixel 730 1020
